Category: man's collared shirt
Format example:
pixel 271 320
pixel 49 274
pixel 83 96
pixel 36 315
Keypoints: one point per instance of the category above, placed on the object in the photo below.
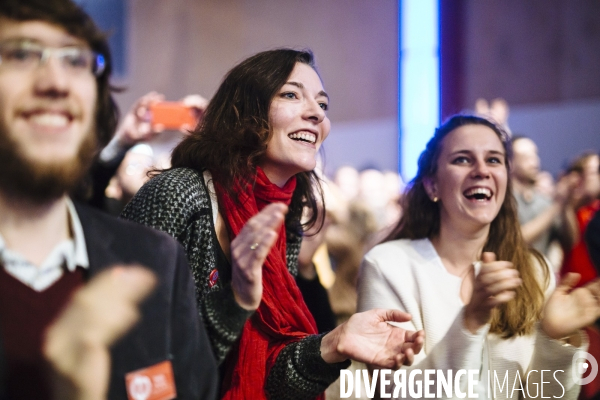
pixel 70 254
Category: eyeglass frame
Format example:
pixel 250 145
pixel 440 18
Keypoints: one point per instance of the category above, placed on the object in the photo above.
pixel 98 61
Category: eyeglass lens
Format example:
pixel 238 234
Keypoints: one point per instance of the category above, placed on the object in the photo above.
pixel 23 54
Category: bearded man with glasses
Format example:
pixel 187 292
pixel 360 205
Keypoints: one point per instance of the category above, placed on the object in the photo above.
pixel 56 112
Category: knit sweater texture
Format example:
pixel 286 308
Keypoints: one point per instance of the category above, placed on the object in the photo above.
pixel 177 202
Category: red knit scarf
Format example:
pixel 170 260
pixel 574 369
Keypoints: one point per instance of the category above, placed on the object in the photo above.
pixel 282 316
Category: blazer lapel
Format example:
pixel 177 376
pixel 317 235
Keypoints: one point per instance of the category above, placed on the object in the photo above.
pixel 98 239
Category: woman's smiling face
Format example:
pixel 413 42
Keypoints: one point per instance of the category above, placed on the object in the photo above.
pixel 471 177
pixel 299 125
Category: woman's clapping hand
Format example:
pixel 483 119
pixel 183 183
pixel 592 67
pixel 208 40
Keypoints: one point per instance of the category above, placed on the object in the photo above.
pixel 249 250
pixel 569 310
pixel 494 285
pixel 368 337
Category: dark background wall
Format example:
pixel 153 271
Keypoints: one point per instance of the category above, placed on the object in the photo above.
pixel 532 51
pixel 183 46
pixel 543 57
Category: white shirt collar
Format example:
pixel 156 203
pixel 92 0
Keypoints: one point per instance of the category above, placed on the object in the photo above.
pixel 80 255
pixel 71 253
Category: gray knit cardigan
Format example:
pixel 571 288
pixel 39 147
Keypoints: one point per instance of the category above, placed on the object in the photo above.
pixel 177 202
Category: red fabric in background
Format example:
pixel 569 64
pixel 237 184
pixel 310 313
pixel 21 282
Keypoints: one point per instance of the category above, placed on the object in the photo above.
pixel 282 316
pixel 578 259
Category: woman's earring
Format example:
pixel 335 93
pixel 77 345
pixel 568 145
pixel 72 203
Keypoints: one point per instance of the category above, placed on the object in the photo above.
pixel 435 199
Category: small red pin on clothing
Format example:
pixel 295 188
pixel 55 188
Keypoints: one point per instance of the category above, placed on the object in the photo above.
pixel 213 277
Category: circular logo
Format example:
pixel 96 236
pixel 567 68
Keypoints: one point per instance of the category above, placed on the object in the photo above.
pixel 213 277
pixel 140 387
pixel 582 363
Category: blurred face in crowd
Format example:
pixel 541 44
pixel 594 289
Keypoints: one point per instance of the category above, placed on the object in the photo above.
pixel 545 183
pixel 47 107
pixel 590 178
pixel 526 162
pixel 133 173
pixel 471 178
pixel 347 180
pixel 299 125
pixel 372 188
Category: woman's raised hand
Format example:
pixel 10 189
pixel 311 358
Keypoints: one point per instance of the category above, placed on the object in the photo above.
pixel 248 253
pixel 136 125
pixel 495 284
pixel 569 310
pixel 367 337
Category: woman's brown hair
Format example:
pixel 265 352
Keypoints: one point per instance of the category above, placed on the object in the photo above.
pixel 233 134
pixel 421 219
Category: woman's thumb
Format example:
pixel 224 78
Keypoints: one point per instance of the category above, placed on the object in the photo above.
pixel 488 257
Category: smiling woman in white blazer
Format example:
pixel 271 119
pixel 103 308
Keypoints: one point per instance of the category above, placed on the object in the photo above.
pixel 457 263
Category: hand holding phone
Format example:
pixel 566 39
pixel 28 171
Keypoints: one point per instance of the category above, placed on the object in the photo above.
pixel 172 115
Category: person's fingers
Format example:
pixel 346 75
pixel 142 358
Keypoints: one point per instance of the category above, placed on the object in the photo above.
pixel 503 273
pixel 271 217
pixel 593 297
pixel 496 266
pixel 260 228
pixel 134 282
pixel 142 107
pixel 503 285
pixel 419 342
pixel 407 358
pixel 143 129
pixel 418 338
pixel 102 311
pixel 253 255
pixel 411 336
pixel 568 282
pixel 195 101
pixel 249 250
pixel 113 299
pixel 124 316
pixel 494 283
pixel 501 298
pixel 594 287
pixel 414 339
pixel 492 273
pixel 488 257
pixel 393 315
pixel 149 98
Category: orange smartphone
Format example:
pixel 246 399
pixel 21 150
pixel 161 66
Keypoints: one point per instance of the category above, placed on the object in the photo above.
pixel 172 115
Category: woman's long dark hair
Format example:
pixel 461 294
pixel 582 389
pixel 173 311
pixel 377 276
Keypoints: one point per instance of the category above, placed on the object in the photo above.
pixel 421 219
pixel 232 137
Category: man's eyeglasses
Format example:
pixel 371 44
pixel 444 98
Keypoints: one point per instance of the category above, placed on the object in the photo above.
pixel 23 54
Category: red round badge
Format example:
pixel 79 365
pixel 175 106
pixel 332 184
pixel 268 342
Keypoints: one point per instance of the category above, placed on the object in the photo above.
pixel 213 277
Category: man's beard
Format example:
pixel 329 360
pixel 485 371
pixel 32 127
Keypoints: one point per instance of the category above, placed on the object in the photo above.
pixel 40 182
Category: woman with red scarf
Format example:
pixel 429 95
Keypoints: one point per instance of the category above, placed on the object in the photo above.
pixel 234 198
